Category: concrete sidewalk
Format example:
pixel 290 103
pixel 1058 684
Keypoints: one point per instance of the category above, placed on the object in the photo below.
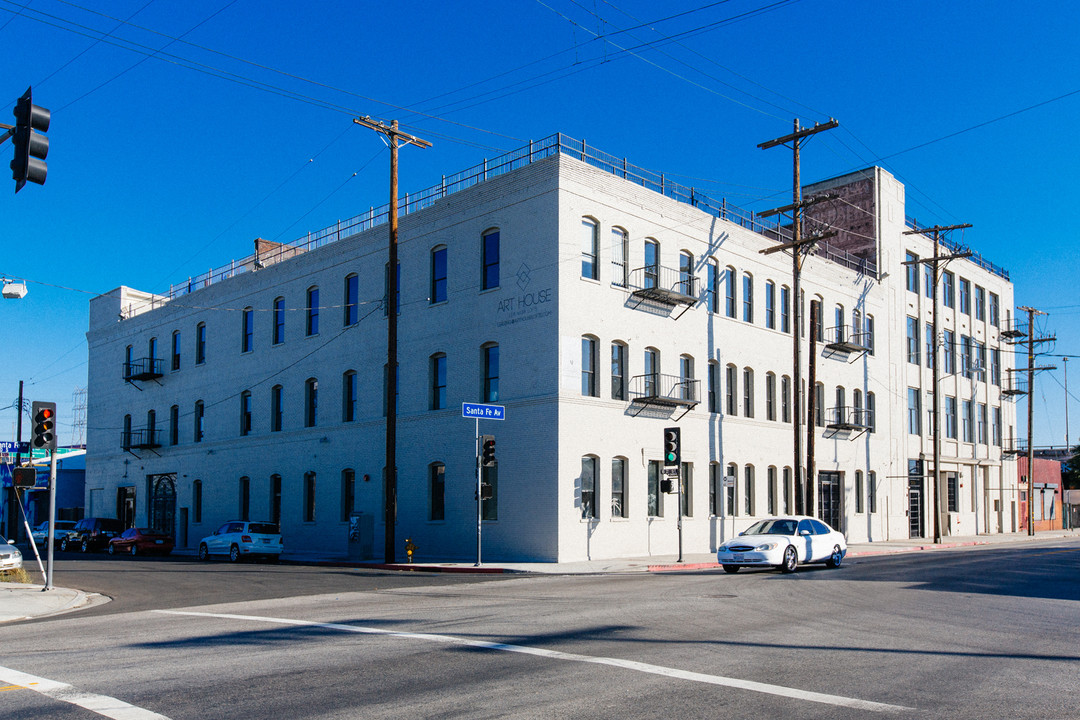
pixel 21 601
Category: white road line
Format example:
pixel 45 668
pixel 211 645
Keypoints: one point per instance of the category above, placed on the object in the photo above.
pixel 751 685
pixel 104 705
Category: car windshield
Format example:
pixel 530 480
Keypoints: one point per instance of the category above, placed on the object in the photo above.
pixel 263 528
pixel 772 527
pixel 147 531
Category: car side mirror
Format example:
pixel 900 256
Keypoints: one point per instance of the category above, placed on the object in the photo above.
pixel 804 532
pixel 743 532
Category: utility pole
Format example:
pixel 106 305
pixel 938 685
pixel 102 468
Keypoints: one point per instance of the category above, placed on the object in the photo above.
pixel 936 262
pixel 1065 365
pixel 395 138
pixel 798 247
pixel 1031 340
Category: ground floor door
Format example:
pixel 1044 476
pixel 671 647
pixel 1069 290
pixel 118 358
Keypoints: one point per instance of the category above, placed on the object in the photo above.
pixel 163 503
pixel 830 510
pixel 916 529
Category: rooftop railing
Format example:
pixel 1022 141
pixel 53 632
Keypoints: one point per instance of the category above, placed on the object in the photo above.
pixel 955 247
pixel 535 151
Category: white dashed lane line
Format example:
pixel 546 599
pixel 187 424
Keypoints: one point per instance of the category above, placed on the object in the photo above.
pixel 103 705
pixel 778 690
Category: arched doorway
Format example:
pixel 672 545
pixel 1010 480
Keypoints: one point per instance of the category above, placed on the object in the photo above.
pixel 163 503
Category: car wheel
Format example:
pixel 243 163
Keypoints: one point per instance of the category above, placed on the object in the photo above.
pixel 731 568
pixel 234 554
pixel 86 546
pixel 63 545
pixel 134 550
pixel 204 552
pixel 836 558
pixel 791 560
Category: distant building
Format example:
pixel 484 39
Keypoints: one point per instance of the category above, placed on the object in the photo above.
pixel 1046 491
pixel 599 303
pixel 71 481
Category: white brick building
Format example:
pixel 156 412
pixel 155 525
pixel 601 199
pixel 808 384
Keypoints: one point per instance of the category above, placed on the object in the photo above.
pixel 599 304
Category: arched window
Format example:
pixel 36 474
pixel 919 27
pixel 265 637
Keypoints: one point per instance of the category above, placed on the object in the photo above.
pixel 309 497
pixel 489 254
pixel 589 509
pixel 772 494
pixel 770 396
pixel 686 274
pixel 618 370
pixel 436 491
pixel 490 358
pixel 198 424
pixel 589 385
pixel 590 249
pixel 245 412
pixel 437 293
pixel 247 329
pixel 748 298
pixel 351 300
pixel 652 372
pixel 200 343
pixel 278 335
pixel 732 395
pixel 748 392
pixel 859 492
pixel 620 251
pixel 619 490
pixel 276 412
pixel 348 493
pixel 652 263
pixel 175 350
pixel 313 310
pixel 687 387
pixel 749 501
pixel 714 387
pixel 731 297
pixel 196 501
pixel 438 381
pixel 311 402
pixel 770 304
pixel 730 504
pixel 348 396
pixel 712 270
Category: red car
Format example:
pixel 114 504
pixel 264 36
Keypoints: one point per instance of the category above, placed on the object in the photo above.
pixel 136 541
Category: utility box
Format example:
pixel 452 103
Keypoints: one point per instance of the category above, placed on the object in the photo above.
pixel 361 536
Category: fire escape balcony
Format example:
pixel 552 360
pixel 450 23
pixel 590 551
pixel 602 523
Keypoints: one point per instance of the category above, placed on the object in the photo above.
pixel 140 439
pixel 147 368
pixel 667 286
pixel 846 419
pixel 668 391
pixel 1014 384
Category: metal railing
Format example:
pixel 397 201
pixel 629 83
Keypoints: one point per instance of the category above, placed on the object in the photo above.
pixel 535 151
pixel 664 389
pixel 144 369
pixel 955 247
pixel 140 438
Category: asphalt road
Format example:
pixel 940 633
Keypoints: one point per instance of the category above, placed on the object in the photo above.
pixel 987 632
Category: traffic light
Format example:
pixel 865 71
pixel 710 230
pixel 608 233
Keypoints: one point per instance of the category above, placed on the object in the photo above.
pixel 31 149
pixel 672 447
pixel 44 435
pixel 487 451
pixel 24 477
pixel 667 485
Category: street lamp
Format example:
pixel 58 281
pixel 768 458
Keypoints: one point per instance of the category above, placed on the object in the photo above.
pixel 14 290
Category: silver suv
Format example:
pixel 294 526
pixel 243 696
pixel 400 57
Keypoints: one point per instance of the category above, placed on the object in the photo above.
pixel 240 539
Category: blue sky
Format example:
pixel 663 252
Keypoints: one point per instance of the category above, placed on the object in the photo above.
pixel 181 131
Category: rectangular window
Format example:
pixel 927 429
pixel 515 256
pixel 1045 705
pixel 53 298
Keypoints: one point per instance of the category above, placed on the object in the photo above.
pixel 995 366
pixel 245 498
pixel 730 506
pixel 589 511
pixel 913 341
pixel 928 280
pixel 965 296
pixel 716 490
pixel 871 490
pixel 966 367
pixel 490 260
pixel 789 489
pixel 652 264
pixel 176 350
pixel 748 490
pixel 983 421
pixel 174 425
pixel 686 477
pixel 309 497
pixel 969 421
pixel 348 493
pixel 914 412
pixel 198 421
pixel 948 289
pixel 620 269
pixel 785 399
pixel 247 329
pixel 859 492
pixel 929 345
pixel 950 417
pixel 994 309
pixel 618 371
pixel 619 508
pixel 437 492
pixel 770 396
pixel 656 500
pixel 997 427
pixel 279 321
pixel 588 368
pixel 352 300
pixel 313 311
pixel 245 412
pixel 980 361
pixel 438 275
pixel 953 483
pixel 980 303
pixel 911 262
pixel 868 329
pixel 438 382
pixel 949 347
pixel 311 402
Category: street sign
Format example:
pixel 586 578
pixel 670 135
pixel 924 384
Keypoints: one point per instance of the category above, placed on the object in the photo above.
pixel 14 447
pixel 729 482
pixel 672 471
pixel 482 411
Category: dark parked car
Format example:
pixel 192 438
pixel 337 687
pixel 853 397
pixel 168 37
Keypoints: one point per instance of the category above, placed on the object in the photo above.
pixel 141 540
pixel 92 534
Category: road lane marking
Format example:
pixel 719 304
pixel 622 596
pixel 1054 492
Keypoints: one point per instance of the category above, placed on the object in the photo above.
pixel 104 705
pixel 779 690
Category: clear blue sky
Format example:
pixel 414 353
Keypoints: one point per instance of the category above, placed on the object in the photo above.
pixel 181 131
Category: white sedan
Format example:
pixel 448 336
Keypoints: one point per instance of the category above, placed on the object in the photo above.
pixel 10 556
pixel 783 542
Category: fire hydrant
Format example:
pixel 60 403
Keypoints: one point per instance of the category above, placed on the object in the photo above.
pixel 410 548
